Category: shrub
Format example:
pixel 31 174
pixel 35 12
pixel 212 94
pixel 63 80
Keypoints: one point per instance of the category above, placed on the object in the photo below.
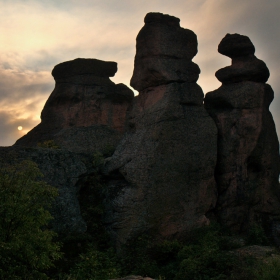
pixel 268 270
pixel 26 244
pixel 50 144
pixel 96 265
pixel 203 257
pixel 256 236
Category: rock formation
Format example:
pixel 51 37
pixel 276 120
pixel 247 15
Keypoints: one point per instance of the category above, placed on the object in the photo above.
pixel 248 149
pixel 86 111
pixel 61 169
pixel 162 173
pixel 175 164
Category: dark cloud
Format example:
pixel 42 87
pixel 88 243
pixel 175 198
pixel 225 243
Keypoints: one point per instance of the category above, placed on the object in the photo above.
pixel 15 87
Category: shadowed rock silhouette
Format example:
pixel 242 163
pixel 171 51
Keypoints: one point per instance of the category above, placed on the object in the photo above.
pixel 248 149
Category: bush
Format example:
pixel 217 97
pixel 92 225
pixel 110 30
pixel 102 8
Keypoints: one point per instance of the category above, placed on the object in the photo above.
pixel 268 271
pixel 26 244
pixel 50 144
pixel 256 236
pixel 96 265
pixel 203 258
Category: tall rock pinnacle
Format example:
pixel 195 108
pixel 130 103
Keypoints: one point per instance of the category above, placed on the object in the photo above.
pixel 164 51
pixel 248 149
pixel 162 172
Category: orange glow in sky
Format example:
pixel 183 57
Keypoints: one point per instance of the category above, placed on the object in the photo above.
pixel 37 35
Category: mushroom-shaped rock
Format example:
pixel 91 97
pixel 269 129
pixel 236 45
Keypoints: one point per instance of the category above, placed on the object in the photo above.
pixel 84 66
pixel 245 66
pixel 84 102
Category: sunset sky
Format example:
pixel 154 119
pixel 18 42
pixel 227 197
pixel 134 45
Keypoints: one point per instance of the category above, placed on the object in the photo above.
pixel 35 35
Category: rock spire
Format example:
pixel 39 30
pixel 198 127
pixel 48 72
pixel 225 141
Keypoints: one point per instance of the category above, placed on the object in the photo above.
pixel 248 149
pixel 162 172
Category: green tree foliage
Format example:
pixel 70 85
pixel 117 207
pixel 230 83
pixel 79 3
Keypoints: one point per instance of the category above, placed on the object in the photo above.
pixel 26 244
pixel 268 270
pixel 50 144
pixel 96 265
pixel 256 235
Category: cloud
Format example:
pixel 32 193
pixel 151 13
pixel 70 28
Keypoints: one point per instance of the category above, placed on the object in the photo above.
pixel 9 125
pixel 37 35
pixel 22 96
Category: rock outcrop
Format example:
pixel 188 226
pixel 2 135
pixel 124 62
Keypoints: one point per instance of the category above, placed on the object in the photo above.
pixel 248 149
pixel 175 164
pixel 86 112
pixel 61 169
pixel 161 176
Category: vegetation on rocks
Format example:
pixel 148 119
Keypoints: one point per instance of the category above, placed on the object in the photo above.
pixel 50 144
pixel 27 248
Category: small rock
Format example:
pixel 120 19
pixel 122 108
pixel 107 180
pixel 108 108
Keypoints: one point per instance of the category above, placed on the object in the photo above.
pixel 235 45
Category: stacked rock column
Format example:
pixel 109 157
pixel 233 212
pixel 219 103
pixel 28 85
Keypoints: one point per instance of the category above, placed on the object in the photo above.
pixel 165 164
pixel 248 149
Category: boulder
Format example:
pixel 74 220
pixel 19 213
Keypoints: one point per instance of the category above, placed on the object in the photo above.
pixel 161 176
pixel 83 66
pixel 236 45
pixel 248 149
pixel 245 66
pixel 84 101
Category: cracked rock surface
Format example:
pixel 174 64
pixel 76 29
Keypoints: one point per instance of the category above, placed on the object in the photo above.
pixel 161 176
pixel 248 148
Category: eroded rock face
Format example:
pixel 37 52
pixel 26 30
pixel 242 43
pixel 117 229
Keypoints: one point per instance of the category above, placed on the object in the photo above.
pixel 61 169
pixel 161 176
pixel 248 149
pixel 164 51
pixel 84 100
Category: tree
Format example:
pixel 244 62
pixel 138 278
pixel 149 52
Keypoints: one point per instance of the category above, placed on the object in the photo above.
pixel 27 248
